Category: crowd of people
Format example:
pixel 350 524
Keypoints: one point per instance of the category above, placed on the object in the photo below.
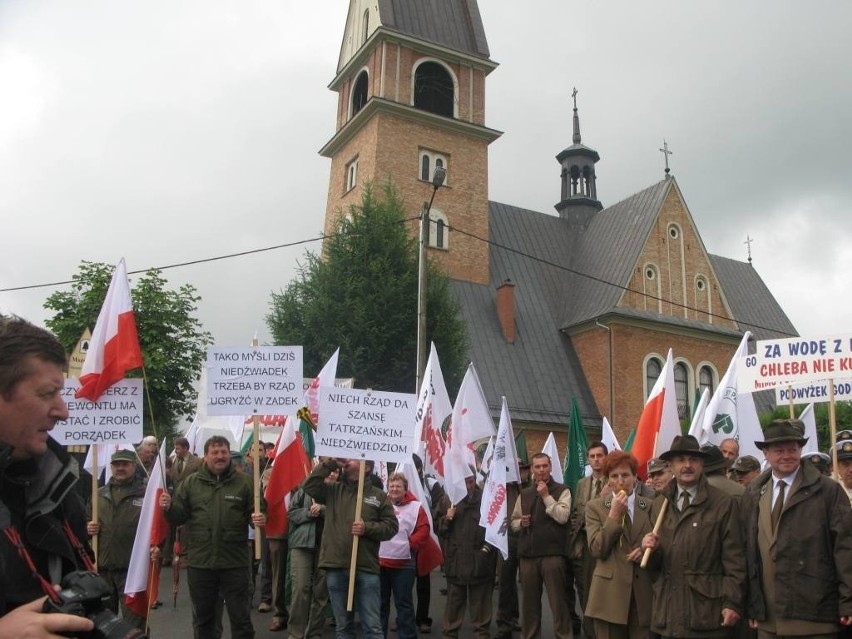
pixel 711 544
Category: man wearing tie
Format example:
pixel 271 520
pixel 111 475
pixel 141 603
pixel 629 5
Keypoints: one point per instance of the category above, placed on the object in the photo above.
pixel 799 545
pixel 183 464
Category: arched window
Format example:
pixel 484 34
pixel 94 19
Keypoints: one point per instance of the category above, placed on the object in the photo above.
pixel 434 90
pixel 429 161
pixel 438 229
pixel 366 24
pixel 705 380
pixel 359 92
pixel 681 380
pixel 425 167
pixel 653 368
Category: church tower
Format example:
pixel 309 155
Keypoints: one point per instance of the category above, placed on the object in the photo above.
pixel 579 199
pixel 411 97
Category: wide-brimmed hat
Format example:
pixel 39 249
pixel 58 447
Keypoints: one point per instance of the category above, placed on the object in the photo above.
pixel 746 464
pixel 783 430
pixel 820 460
pixel 715 459
pixel 844 449
pixel 684 445
pixel 123 456
pixel 657 465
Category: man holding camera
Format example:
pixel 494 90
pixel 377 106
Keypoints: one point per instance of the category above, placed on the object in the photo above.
pixel 42 519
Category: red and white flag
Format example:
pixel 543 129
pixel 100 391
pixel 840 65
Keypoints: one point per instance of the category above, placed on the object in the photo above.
pixel 143 575
pixel 289 468
pixel 494 510
pixel 114 347
pixel 326 378
pixel 433 409
pixel 471 422
pixel 659 423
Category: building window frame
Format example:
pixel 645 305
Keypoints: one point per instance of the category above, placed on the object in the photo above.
pixel 652 368
pixel 439 230
pixel 453 79
pixel 351 175
pixel 360 93
pixel 428 161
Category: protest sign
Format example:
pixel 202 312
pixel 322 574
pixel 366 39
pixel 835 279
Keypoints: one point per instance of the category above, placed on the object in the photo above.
pixel 261 380
pixel 363 424
pixel 781 362
pixel 813 392
pixel 116 418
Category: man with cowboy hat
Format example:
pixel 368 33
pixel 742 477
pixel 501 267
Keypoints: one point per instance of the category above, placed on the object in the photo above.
pixel 701 588
pixel 799 546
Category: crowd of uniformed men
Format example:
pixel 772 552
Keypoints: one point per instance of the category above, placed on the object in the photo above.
pixel 709 545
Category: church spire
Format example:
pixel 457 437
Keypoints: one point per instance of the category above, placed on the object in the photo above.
pixel 579 183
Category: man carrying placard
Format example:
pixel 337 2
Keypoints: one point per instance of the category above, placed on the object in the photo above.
pixel 376 524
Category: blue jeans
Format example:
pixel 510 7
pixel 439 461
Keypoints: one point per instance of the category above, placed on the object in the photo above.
pixel 400 583
pixel 367 602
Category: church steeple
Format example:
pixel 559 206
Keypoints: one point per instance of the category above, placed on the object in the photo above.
pixel 579 182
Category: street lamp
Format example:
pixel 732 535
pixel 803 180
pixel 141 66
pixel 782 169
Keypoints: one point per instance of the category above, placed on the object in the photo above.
pixel 438 177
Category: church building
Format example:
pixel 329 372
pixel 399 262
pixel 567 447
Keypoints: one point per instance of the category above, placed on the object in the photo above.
pixel 583 301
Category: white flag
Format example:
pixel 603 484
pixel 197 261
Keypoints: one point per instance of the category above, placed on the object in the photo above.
pixel 555 465
pixel 696 428
pixel 809 420
pixel 433 409
pixel 494 511
pixel 471 421
pixel 608 436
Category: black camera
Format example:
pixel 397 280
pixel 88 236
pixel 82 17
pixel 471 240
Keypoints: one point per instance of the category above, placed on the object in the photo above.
pixel 86 594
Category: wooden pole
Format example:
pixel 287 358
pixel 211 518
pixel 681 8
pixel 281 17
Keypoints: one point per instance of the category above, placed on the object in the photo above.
pixel 255 446
pixel 647 555
pixel 792 410
pixel 353 563
pixel 95 499
pixel 832 428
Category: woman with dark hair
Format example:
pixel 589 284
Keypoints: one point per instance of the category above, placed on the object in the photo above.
pixel 620 592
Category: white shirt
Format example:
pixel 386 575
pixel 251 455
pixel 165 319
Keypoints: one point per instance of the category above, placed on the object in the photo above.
pixel 776 483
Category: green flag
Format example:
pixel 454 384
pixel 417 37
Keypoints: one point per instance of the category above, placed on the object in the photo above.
pixel 521 446
pixel 629 443
pixel 247 444
pixel 307 435
pixel 575 455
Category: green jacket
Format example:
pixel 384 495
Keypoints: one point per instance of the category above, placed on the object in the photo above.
pixel 340 499
pixel 215 512
pixel 119 507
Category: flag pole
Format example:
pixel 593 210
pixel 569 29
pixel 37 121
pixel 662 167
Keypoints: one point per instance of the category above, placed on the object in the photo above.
pixel 832 427
pixel 647 555
pixel 255 446
pixel 353 563
pixel 95 498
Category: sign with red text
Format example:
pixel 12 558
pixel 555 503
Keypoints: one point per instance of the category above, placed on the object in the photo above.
pixel 363 424
pixel 260 380
pixel 791 361
pixel 116 418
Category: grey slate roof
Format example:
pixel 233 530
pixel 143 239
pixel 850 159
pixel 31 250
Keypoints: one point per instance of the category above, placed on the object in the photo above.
pixel 540 371
pixel 455 24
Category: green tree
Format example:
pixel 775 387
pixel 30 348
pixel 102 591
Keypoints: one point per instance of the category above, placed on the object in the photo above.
pixel 171 338
pixel 361 295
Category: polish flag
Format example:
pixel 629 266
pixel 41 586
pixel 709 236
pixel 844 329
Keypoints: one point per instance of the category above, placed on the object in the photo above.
pixel 659 423
pixel 114 348
pixel 143 575
pixel 429 556
pixel 290 467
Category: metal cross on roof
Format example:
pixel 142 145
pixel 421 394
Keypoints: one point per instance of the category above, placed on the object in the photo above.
pixel 666 153
pixel 574 95
pixel 748 242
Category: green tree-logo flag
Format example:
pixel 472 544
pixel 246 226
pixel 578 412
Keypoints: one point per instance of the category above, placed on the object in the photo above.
pixel 575 455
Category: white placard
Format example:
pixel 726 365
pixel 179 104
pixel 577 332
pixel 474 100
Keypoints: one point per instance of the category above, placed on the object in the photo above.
pixel 116 418
pixel 781 362
pixel 813 392
pixel 362 424
pixel 263 380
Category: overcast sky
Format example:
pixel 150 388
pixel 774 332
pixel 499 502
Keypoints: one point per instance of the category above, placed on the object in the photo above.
pixel 169 131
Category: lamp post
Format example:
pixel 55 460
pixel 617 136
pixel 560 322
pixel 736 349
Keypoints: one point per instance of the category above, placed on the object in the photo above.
pixel 438 177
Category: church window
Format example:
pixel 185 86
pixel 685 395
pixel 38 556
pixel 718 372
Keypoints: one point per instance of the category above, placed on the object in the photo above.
pixel 434 89
pixel 650 273
pixel 429 161
pixel 705 380
pixel 681 380
pixel 653 368
pixel 674 231
pixel 351 175
pixel 359 92
pixel 700 283
pixel 366 25
pixel 438 229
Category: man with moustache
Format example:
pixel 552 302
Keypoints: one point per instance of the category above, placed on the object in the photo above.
pixel 41 515
pixel 799 545
pixel 699 550
pixel 540 519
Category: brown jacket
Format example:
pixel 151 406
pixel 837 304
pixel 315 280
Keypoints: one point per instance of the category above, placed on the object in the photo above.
pixel 192 463
pixel 615 578
pixel 703 565
pixel 581 496
pixel 468 558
